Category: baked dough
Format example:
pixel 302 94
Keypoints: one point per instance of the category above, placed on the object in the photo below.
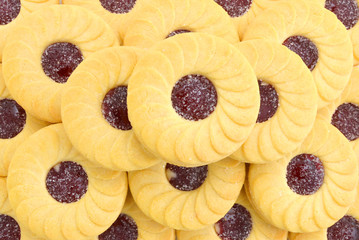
pixel 284 208
pixel 309 19
pixel 22 68
pixel 82 115
pixel 155 21
pixel 260 229
pixel 39 211
pixel 188 210
pixel 174 138
pixel 276 65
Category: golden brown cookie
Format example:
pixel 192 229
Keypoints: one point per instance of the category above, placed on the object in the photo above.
pixel 57 193
pixel 187 198
pixel 316 35
pixel 193 100
pixel 44 49
pixel 312 188
pixel 288 102
pixel 94 110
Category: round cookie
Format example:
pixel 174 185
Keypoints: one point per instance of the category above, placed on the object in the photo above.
pixel 316 35
pixel 164 18
pixel 57 193
pixel 288 102
pixel 241 222
pixel 94 110
pixel 193 100
pixel 187 198
pixel 44 49
pixel 312 188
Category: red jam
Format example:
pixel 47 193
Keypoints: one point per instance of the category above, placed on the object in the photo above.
pixel 194 97
pixel 347 11
pixel 9 10
pixel 235 8
pixel 118 6
pixel 12 118
pixel 179 31
pixel 269 101
pixel 9 228
pixel 124 228
pixel 346 119
pixel 346 228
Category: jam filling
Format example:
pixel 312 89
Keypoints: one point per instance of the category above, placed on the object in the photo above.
pixel 118 6
pixel 9 228
pixel 305 48
pixel 346 228
pixel 67 182
pixel 194 97
pixel 114 108
pixel 347 11
pixel 235 8
pixel 124 228
pixel 235 225
pixel 179 31
pixel 269 101
pixel 186 179
pixel 59 60
pixel 9 10
pixel 12 118
pixel 305 174
pixel 346 119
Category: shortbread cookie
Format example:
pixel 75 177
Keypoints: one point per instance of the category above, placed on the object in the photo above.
pixel 241 222
pixel 94 110
pixel 44 49
pixel 315 34
pixel 312 188
pixel 193 100
pixel 164 18
pixel 288 102
pixel 57 193
pixel 187 198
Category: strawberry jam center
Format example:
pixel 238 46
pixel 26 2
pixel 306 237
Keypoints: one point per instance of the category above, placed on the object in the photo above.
pixel 67 182
pixel 9 10
pixel 12 118
pixel 9 228
pixel 305 174
pixel 179 31
pixel 118 6
pixel 194 97
pixel 59 60
pixel 235 225
pixel 114 108
pixel 269 101
pixel 346 119
pixel 347 11
pixel 124 228
pixel 305 48
pixel 235 8
pixel 186 179
pixel 347 228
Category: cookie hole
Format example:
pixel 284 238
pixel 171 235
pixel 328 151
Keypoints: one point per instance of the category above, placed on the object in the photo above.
pixel 9 228
pixel 59 60
pixel 346 120
pixel 186 179
pixel 12 118
pixel 347 11
pixel 235 8
pixel 305 174
pixel 9 10
pixel 114 108
pixel 67 182
pixel 235 225
pixel 269 101
pixel 124 228
pixel 118 6
pixel 346 228
pixel 194 97
pixel 176 32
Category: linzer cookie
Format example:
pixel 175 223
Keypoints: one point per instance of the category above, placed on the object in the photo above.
pixel 42 52
pixel 193 100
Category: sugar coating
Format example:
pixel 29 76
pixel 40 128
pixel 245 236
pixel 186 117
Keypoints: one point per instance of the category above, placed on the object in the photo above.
pixel 235 8
pixel 347 228
pixel 124 228
pixel 9 228
pixel 347 11
pixel 12 118
pixel 269 101
pixel 9 10
pixel 346 120
pixel 118 6
pixel 179 31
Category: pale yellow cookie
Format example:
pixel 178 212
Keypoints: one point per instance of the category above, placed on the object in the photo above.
pixel 193 100
pixel 288 102
pixel 45 198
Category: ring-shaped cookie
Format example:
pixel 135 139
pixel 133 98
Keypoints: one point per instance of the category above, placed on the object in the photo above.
pixel 157 20
pixel 310 20
pixel 169 135
pixel 37 210
pixel 276 65
pixel 258 229
pixel 82 111
pixel 269 191
pixel 22 66
pixel 187 210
